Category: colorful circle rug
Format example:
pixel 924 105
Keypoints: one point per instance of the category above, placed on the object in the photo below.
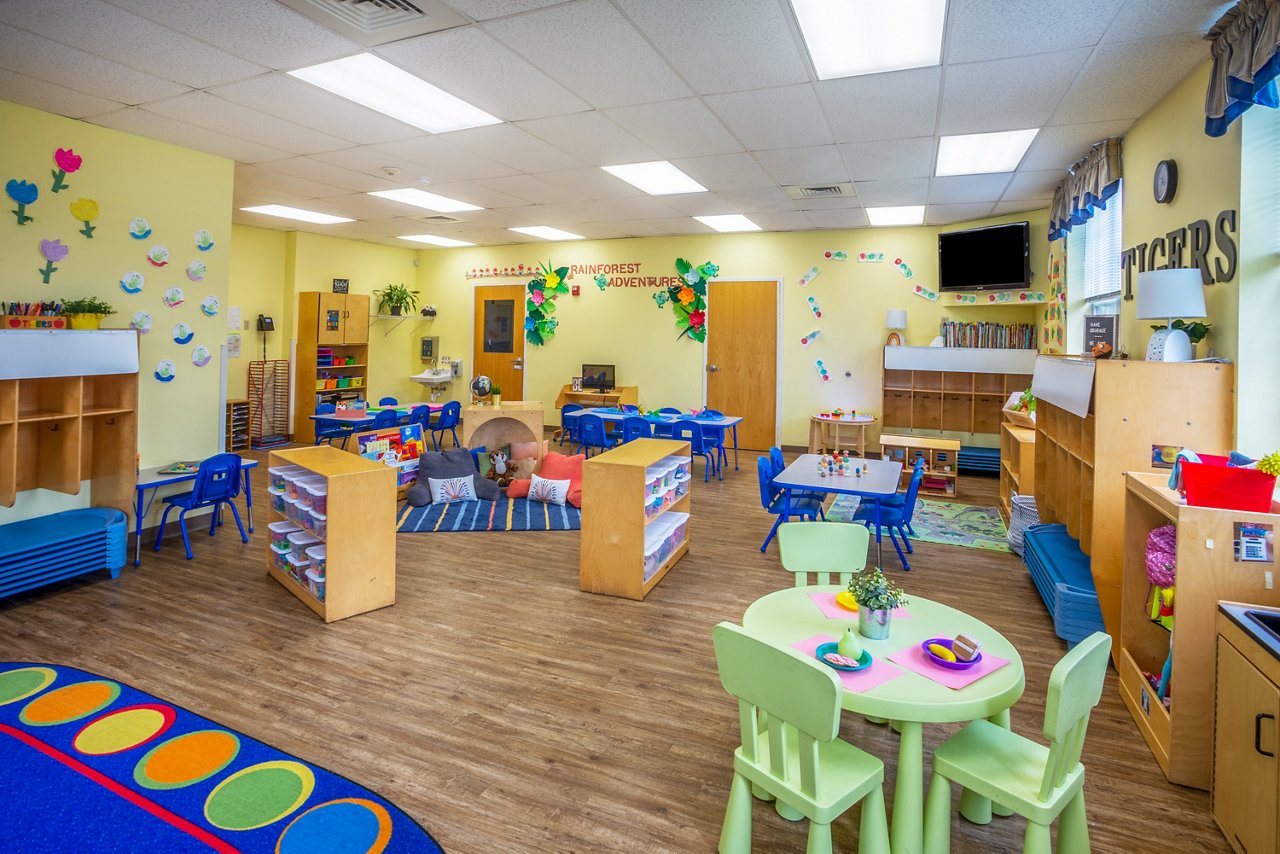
pixel 91 764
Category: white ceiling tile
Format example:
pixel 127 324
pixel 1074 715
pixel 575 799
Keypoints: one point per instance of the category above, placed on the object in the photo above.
pixel 751 199
pixel 815 164
pixel 52 98
pixel 898 105
pixel 956 189
pixel 366 207
pixel 528 188
pixel 514 146
pixel 889 158
pixel 827 203
pixel 1123 81
pixel 949 214
pixel 588 183
pixel 245 195
pixel 753 46
pixel 444 161
pixel 702 204
pixel 477 194
pixel 592 138
pixel 991 29
pixel 781 220
pixel 325 173
pixel 634 207
pixel 1008 207
pixel 682 128
pixel 1033 185
pixel 269 178
pixel 544 215
pixel 270 34
pixel 725 171
pixel 1007 94
pixel 155 126
pixel 370 161
pixel 214 113
pixel 1059 146
pixel 590 48
pixel 902 191
pixel 848 218
pixel 681 225
pixel 485 10
pixel 1144 19
pixel 75 69
pixel 471 64
pixel 785 117
pixel 630 228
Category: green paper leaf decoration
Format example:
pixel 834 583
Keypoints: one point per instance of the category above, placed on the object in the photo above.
pixel 543 326
pixel 682 266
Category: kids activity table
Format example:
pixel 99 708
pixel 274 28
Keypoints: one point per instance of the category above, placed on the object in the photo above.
pixel 151 479
pixel 820 425
pixel 728 422
pixel 880 482
pixel 403 409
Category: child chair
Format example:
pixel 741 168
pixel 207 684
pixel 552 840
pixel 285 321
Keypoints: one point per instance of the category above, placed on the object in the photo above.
pixel 384 419
pixel 663 430
pixel 566 428
pixel 714 435
pixel 450 417
pixel 778 464
pixel 1039 783
pixel 895 518
pixel 330 430
pixel 832 552
pixel 772 499
pixel 420 415
pixel 591 433
pixel 800 759
pixel 691 431
pixel 388 401
pixel 635 427
pixel 217 483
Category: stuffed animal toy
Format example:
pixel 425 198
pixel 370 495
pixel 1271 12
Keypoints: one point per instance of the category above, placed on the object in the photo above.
pixel 499 472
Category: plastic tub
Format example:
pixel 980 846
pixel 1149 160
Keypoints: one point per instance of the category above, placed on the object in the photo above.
pixel 291 510
pixel 682 486
pixel 319 523
pixel 280 559
pixel 317 494
pixel 680 529
pixel 276 497
pixel 298 568
pixel 1212 483
pixel 652 560
pixel 304 489
pixel 669 473
pixel 344 382
pixel 298 543
pixel 280 532
pixel 315 583
pixel 357 382
pixel 684 468
pixel 653 480
pixel 317 556
pixel 276 475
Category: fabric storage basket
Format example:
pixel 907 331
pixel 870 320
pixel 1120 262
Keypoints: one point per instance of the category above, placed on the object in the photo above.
pixel 1022 515
pixel 280 532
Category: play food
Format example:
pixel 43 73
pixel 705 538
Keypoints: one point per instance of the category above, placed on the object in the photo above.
pixel 845 600
pixel 850 646
pixel 941 652
pixel 965 648
pixel 937 649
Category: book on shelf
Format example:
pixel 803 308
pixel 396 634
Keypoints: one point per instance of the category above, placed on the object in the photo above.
pixel 988 335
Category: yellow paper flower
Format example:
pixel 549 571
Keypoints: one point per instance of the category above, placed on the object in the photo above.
pixel 552 279
pixel 84 209
pixel 686 296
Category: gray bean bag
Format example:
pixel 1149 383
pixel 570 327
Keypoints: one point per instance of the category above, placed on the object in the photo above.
pixel 455 462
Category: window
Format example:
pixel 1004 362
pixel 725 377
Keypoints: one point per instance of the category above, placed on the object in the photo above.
pixel 1097 250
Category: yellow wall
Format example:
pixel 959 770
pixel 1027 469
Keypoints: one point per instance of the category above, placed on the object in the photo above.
pixel 623 326
pixel 178 191
pixel 257 287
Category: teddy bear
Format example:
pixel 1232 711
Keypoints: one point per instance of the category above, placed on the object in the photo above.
pixel 499 471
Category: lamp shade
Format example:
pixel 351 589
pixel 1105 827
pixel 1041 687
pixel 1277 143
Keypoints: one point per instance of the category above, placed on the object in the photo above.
pixel 1170 293
pixel 895 318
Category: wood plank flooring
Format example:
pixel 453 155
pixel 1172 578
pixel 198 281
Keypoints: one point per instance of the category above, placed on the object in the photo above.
pixel 508 712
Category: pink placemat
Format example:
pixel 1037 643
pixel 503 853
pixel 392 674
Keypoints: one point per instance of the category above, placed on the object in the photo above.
pixel 858 681
pixel 913 658
pixel 833 610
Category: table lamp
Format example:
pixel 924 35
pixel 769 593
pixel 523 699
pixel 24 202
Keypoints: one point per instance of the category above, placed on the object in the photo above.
pixel 1170 293
pixel 895 319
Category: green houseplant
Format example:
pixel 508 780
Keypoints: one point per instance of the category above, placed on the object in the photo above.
pixel 495 393
pixel 877 597
pixel 396 299
pixel 1196 331
pixel 86 312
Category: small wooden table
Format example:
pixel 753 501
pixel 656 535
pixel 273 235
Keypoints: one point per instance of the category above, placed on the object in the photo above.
pixel 818 425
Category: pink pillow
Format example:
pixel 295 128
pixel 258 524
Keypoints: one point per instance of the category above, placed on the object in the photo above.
pixel 556 466
pixel 524 450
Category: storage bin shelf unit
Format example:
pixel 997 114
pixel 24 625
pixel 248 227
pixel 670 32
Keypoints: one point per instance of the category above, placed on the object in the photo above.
pixel 954 390
pixel 338 325
pixel 40 551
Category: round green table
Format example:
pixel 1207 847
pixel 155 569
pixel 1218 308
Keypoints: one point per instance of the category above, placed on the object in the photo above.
pixel 911 700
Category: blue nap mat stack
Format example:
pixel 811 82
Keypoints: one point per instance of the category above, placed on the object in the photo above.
pixel 975 460
pixel 40 551
pixel 1063 577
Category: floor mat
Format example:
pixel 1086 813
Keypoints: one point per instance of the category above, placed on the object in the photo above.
pixel 505 514
pixel 944 522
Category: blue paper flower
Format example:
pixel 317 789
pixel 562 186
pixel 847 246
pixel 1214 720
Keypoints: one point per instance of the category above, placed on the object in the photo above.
pixel 529 323
pixel 23 194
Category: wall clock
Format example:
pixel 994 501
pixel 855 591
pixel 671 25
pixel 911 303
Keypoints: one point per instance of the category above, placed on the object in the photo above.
pixel 1165 184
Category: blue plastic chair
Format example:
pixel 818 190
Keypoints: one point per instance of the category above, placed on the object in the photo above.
pixel 899 498
pixel 420 415
pixel 772 499
pixel 217 483
pixel 895 518
pixel 388 401
pixel 715 435
pixel 591 433
pixel 384 419
pixel 690 431
pixel 635 427
pixel 450 418
pixel 330 430
pixel 566 427
pixel 778 465
pixel 663 431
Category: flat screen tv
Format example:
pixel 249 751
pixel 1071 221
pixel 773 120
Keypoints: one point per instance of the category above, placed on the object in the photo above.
pixel 597 377
pixel 997 257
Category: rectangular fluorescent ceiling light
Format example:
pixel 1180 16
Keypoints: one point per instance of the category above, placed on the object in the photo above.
pixel 728 222
pixel 657 178
pixel 982 153
pixel 287 212
pixel 423 199
pixel 851 37
pixel 379 85
pixel 546 232
pixel 901 215
pixel 435 241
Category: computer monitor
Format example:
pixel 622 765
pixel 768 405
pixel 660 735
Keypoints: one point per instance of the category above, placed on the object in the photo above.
pixel 597 377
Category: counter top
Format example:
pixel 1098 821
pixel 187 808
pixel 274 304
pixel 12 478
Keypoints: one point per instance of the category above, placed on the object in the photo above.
pixel 1253 621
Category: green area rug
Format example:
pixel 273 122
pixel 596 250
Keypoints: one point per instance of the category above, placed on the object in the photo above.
pixel 943 522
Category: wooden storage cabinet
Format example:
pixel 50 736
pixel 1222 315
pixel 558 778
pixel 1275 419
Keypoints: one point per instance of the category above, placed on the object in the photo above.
pixel 960 401
pixel 611 560
pixel 237 431
pixel 941 458
pixel 341 318
pixel 1017 465
pixel 339 322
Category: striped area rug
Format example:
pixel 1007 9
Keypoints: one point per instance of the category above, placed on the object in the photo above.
pixel 514 514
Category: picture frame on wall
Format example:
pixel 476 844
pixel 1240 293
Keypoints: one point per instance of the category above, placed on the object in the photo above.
pixel 342 286
pixel 577 384
pixel 1101 335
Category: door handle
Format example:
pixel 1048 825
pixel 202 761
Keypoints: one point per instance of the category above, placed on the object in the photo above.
pixel 1257 733
pixel 711 369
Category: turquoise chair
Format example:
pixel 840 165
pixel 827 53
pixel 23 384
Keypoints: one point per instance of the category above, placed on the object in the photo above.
pixel 1037 782
pixel 798 758
pixel 831 551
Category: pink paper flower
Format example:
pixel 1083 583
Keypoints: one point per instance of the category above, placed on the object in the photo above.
pixel 537 297
pixel 68 161
pixel 697 319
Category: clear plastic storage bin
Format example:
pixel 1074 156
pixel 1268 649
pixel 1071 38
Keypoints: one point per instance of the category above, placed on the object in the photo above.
pixel 280 558
pixel 317 555
pixel 298 568
pixel 280 532
pixel 299 541
pixel 315 583
pixel 276 497
pixel 317 494
pixel 317 523
pixel 276 475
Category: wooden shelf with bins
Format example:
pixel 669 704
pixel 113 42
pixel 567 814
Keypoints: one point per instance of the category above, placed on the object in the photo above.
pixel 941 459
pixel 950 401
pixel 339 322
pixel 611 560
pixel 237 425
pixel 1017 465
pixel 360 536
pixel 1181 736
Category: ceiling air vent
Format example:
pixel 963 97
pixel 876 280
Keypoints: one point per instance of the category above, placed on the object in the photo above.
pixel 438 219
pixel 820 191
pixel 375 22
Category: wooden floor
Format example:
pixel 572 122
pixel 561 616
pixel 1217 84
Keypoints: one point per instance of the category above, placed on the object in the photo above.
pixel 507 711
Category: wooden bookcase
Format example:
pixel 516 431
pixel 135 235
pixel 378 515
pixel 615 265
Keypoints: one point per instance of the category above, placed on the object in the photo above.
pixel 1017 464
pixel 611 560
pixel 951 389
pixel 941 458
pixel 237 425
pixel 1181 737
pixel 360 541
pixel 1080 461
pixel 339 322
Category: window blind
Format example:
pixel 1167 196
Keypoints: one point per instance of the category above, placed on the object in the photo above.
pixel 1100 264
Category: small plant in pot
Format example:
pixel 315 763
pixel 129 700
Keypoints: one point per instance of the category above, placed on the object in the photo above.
pixel 495 393
pixel 396 300
pixel 877 597
pixel 87 312
pixel 1196 331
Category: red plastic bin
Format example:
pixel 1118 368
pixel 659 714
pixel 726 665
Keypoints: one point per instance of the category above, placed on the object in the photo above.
pixel 1212 483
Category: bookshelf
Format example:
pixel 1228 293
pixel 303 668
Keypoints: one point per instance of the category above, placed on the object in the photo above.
pixel 237 425
pixel 1017 465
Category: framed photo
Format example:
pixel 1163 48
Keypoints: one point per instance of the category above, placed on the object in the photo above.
pixel 341 286
pixel 577 384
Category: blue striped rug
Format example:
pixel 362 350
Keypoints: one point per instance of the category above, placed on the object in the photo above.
pixel 514 514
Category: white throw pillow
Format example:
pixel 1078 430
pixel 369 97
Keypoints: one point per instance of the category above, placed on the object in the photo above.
pixel 548 491
pixel 447 489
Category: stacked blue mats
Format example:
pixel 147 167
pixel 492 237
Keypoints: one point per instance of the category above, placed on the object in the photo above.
pixel 1063 577
pixel 975 460
pixel 40 551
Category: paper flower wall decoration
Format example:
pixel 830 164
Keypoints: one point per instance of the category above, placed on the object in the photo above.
pixel 53 251
pixel 68 161
pixel 539 325
pixel 85 210
pixel 689 300
pixel 23 194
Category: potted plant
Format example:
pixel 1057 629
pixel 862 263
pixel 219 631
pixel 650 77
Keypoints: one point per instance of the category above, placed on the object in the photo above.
pixel 495 391
pixel 395 299
pixel 877 597
pixel 1196 331
pixel 86 313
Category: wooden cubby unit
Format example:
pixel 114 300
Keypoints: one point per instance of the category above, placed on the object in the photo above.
pixel 953 390
pixel 339 322
pixel 1017 465
pixel 941 460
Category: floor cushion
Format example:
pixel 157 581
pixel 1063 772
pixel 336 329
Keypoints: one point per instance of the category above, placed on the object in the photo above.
pixel 555 466
pixel 455 462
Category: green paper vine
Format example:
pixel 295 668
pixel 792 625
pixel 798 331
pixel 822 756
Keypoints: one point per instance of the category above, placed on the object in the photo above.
pixel 540 304
pixel 689 298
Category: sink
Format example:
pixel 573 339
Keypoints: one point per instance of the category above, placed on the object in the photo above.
pixel 1260 624
pixel 434 377
pixel 1269 620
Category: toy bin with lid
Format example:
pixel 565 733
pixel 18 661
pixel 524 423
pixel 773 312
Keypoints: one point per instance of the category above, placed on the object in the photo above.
pixel 299 541
pixel 652 559
pixel 653 480
pixel 682 486
pixel 298 567
pixel 280 557
pixel 291 479
pixel 275 475
pixel 684 467
pixel 304 491
pixel 280 532
pixel 670 471
pixel 680 529
pixel 276 496
pixel 317 556
pixel 317 494
pixel 318 523
pixel 291 510
pixel 315 583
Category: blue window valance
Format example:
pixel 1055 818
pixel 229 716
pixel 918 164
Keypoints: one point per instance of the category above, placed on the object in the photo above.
pixel 1089 184
pixel 1246 62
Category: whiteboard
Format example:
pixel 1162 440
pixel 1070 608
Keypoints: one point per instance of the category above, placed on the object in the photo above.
pixel 33 353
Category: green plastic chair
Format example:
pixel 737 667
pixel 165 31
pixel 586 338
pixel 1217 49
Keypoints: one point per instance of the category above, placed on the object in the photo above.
pixel 1037 782
pixel 798 758
pixel 833 552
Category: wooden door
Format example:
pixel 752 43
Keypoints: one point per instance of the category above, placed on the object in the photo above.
pixel 742 357
pixel 1244 775
pixel 498 351
pixel 330 319
pixel 355 320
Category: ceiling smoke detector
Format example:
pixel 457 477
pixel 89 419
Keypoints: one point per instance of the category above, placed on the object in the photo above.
pixel 391 171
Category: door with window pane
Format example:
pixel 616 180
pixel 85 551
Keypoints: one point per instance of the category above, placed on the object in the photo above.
pixel 498 352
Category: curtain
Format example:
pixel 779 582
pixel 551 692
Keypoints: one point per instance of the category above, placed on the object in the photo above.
pixel 1246 61
pixel 1088 185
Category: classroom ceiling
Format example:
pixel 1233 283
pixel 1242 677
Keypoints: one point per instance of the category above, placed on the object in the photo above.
pixel 724 89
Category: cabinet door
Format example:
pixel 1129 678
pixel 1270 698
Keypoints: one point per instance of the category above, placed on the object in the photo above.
pixel 957 411
pixel 897 408
pixel 1244 776
pixel 355 323
pixel 926 410
pixel 987 413
pixel 330 320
